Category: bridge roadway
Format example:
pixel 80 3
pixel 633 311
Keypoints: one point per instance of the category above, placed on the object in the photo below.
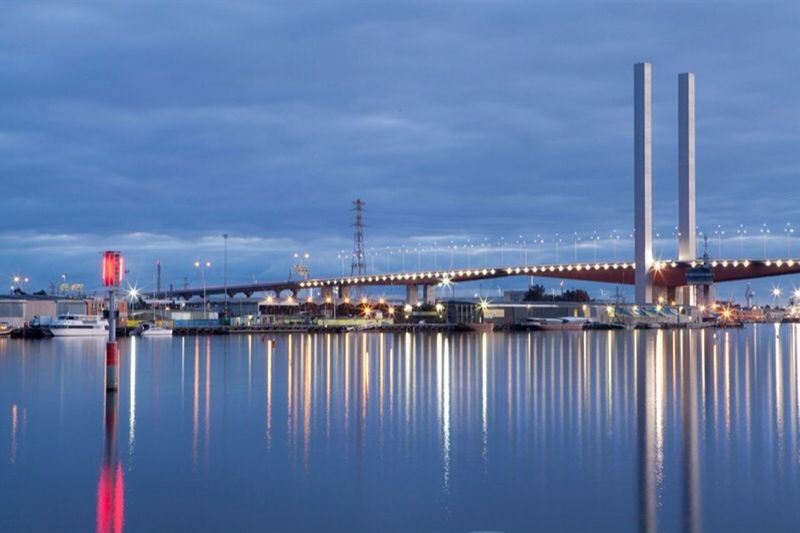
pixel 667 274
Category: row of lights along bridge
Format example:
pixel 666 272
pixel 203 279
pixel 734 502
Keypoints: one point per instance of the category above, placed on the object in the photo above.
pixel 555 248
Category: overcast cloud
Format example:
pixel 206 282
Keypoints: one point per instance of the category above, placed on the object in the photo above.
pixel 154 127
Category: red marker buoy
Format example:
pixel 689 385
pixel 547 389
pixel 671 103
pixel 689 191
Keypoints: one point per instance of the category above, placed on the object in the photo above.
pixel 112 366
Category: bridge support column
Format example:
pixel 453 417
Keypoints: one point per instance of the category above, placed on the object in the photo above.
pixel 643 182
pixel 429 292
pixel 327 293
pixel 411 294
pixel 687 247
pixel 344 292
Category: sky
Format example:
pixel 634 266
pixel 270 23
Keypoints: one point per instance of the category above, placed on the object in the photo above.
pixel 156 127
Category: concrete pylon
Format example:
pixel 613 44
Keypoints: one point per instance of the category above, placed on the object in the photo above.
pixel 429 293
pixel 344 292
pixel 687 245
pixel 643 181
pixel 411 294
pixel 327 293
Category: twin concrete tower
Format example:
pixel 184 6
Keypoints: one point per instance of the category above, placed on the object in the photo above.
pixel 643 180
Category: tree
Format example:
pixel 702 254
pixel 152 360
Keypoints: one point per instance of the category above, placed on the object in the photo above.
pixel 535 293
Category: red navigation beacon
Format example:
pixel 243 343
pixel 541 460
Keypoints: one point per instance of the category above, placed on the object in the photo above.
pixel 112 269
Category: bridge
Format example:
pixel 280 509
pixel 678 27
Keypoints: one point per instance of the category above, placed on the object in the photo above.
pixel 652 278
pixel 667 276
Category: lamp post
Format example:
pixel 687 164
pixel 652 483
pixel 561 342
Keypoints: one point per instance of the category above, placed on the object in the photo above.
pixel 789 231
pixel 741 232
pixel 614 239
pixel 203 265
pixel 764 234
pixel 557 240
pixel 575 240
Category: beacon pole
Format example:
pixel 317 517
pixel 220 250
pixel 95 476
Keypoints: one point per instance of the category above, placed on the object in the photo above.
pixel 112 277
pixel 112 353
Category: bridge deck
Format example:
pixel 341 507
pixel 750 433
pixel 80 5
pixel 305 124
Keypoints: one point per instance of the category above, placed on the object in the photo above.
pixel 665 274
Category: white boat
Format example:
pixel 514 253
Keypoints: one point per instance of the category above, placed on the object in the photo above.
pixel 151 330
pixel 76 326
pixel 566 323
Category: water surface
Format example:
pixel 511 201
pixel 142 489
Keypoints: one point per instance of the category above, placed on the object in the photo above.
pixel 602 431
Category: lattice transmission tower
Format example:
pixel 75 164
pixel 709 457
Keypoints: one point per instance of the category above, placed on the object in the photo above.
pixel 358 266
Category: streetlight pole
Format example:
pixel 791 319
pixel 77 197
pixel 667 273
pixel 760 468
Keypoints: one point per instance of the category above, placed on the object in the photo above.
pixel 741 233
pixel 202 265
pixel 557 240
pixel 575 247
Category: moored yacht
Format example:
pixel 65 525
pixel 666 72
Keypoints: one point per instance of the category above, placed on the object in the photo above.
pixel 566 323
pixel 75 326
pixel 151 330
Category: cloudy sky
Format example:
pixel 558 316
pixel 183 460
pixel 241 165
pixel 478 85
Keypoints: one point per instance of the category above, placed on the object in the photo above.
pixel 156 127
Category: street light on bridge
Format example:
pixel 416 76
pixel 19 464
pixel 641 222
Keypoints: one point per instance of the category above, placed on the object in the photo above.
pixel 202 266
pixel 788 231
pixel 764 234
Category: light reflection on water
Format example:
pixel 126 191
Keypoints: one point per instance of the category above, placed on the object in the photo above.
pixel 643 430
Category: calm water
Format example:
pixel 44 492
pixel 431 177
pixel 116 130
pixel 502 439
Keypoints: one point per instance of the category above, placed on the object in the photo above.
pixel 602 431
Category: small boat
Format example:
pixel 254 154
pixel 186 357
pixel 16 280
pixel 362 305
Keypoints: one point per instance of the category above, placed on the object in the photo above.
pixel 70 325
pixel 5 329
pixel 566 323
pixel 604 325
pixel 151 330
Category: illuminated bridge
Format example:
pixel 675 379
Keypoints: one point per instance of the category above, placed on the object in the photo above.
pixel 666 277
pixel 651 277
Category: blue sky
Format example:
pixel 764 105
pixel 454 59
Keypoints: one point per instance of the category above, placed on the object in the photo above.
pixel 156 127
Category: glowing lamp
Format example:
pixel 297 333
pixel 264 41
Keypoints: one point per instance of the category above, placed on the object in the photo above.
pixel 111 271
